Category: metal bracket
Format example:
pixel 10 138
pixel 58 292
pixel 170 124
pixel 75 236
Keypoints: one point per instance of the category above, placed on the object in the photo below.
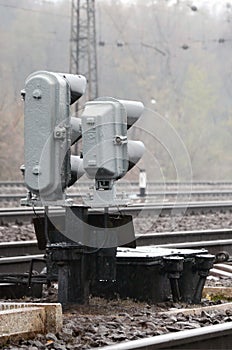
pixel 59 132
pixel 120 140
pixel 105 199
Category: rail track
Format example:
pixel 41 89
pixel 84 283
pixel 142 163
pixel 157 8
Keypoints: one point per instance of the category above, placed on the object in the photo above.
pixel 217 242
pixel 18 255
pixel 202 183
pixel 25 214
pixel 209 337
pixel 15 191
pixel 218 336
pixel 7 197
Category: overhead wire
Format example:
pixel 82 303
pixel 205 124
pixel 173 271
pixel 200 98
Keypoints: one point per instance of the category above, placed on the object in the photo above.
pixel 40 12
pixel 184 45
pixel 33 10
pixel 138 71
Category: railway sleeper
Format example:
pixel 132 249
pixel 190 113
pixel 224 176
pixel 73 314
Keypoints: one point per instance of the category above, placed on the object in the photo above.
pixel 24 320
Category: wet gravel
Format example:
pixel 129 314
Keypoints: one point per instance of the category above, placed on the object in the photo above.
pixel 16 232
pixel 142 224
pixel 188 222
pixel 108 322
pixel 104 323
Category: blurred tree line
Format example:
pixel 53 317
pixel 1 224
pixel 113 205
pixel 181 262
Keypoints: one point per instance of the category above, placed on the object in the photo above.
pixel 173 56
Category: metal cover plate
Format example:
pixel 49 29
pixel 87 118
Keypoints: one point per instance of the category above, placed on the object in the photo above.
pixel 154 252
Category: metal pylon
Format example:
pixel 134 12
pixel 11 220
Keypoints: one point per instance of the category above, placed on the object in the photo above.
pixel 83 50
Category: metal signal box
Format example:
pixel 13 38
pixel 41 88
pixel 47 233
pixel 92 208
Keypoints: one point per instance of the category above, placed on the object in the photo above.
pixel 47 134
pixel 105 148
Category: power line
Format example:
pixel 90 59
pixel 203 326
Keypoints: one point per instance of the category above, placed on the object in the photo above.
pixel 44 37
pixel 121 32
pixel 184 46
pixel 36 11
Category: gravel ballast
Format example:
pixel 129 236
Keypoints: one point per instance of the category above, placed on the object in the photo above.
pixel 109 322
pixel 105 322
pixel 142 224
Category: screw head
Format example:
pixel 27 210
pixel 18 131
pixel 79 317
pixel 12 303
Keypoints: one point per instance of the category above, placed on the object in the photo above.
pixel 37 94
pixel 118 139
pixel 36 170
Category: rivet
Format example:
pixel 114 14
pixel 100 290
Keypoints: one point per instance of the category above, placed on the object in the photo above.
pixel 37 94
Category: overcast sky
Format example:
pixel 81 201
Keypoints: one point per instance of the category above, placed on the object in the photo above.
pixel 214 6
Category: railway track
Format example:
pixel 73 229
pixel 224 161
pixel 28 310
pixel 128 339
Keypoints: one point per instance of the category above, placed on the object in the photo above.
pixel 19 254
pixel 14 191
pixel 174 183
pixel 7 197
pixel 25 214
pixel 217 242
pixel 219 336
pixel 16 257
pixel 210 337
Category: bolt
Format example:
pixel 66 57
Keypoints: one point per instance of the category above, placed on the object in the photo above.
pixel 37 94
pixel 36 170
pixel 118 139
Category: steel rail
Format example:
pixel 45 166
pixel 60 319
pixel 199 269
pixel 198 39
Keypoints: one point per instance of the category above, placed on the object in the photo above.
pixel 175 237
pixel 210 337
pixel 163 194
pixel 19 248
pixel 136 183
pixel 194 193
pixel 13 253
pixel 175 209
pixel 217 336
pixel 180 240
pixel 16 257
pixel 21 264
pixel 218 242
pixel 190 239
pixel 208 239
pixel 216 247
pixel 25 214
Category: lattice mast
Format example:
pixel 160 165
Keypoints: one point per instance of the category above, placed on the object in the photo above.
pixel 83 49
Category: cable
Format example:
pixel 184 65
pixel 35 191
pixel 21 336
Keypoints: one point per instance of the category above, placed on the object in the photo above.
pixel 138 71
pixel 36 11
pixel 183 46
pixel 35 213
pixel 48 37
